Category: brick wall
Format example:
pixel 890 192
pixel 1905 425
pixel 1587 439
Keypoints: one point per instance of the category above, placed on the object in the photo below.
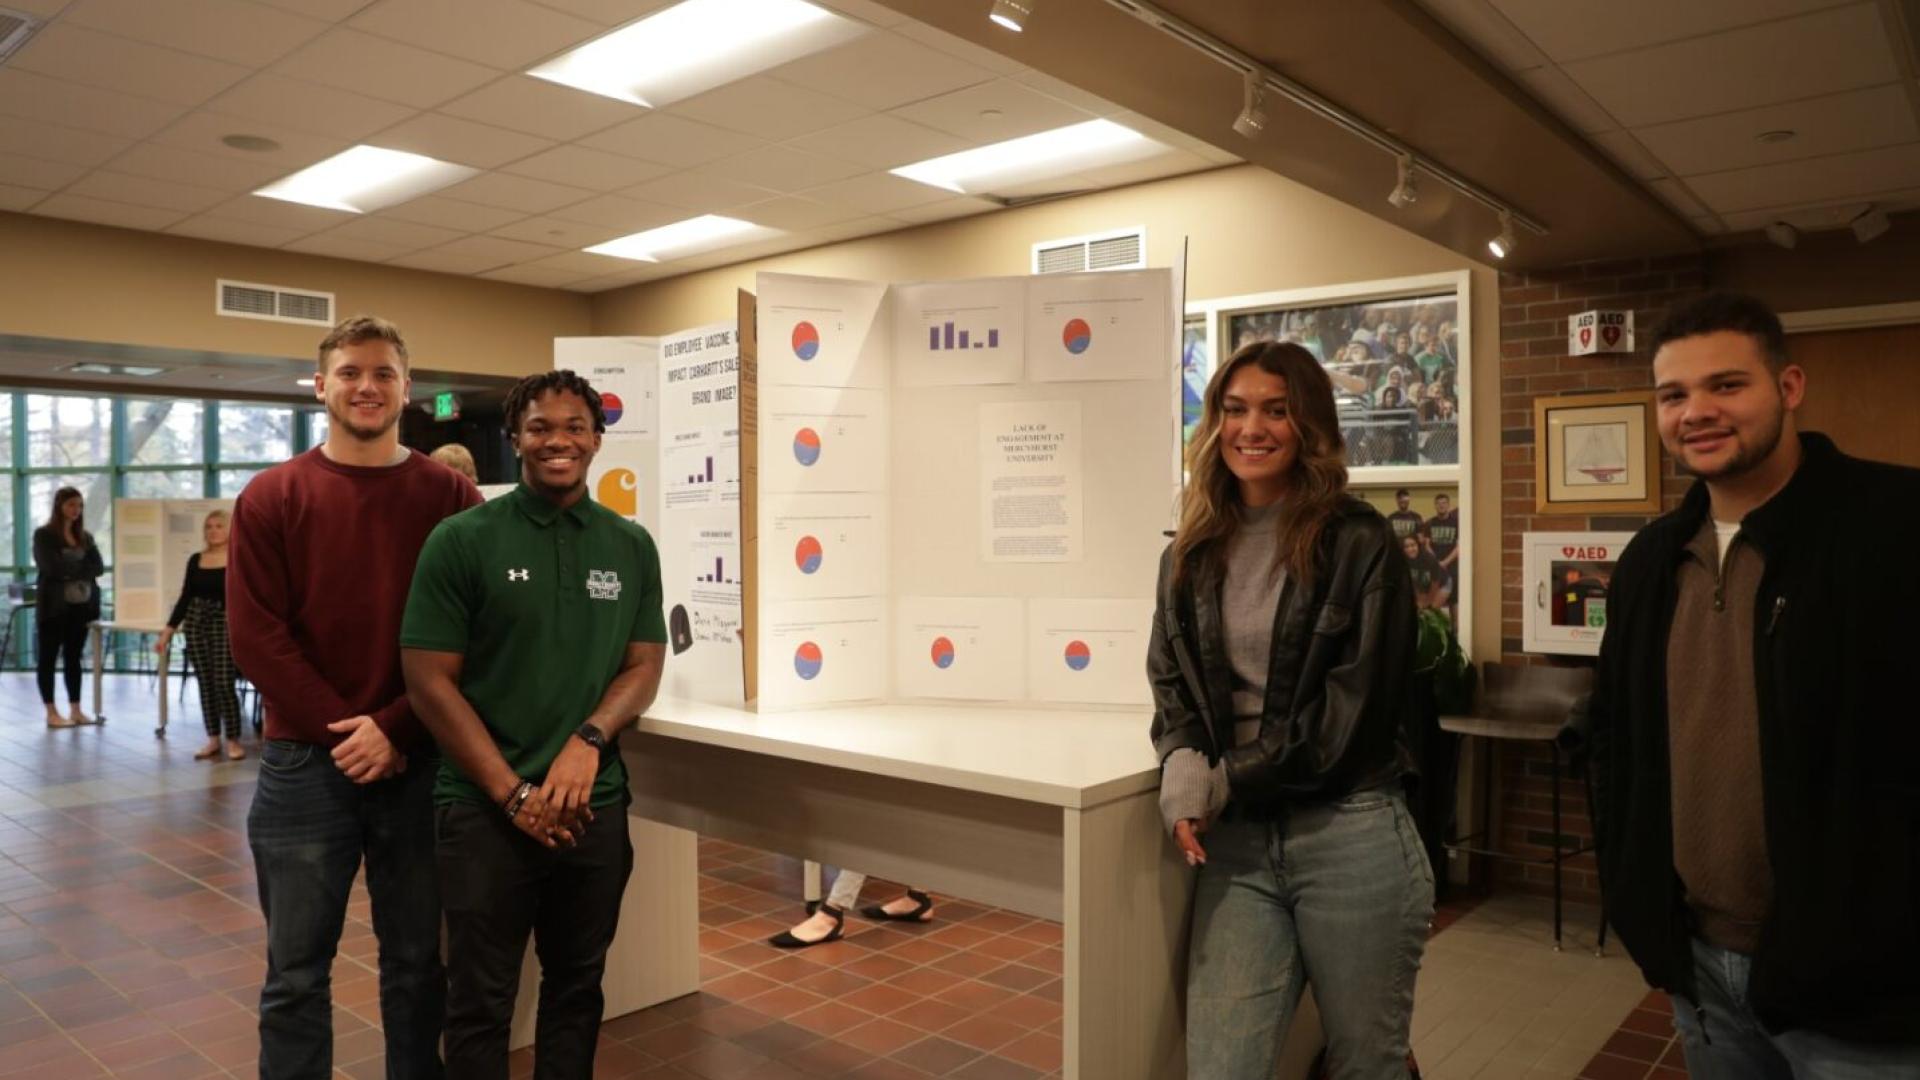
pixel 1534 363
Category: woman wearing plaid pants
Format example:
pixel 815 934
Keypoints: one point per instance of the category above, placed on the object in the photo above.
pixel 202 609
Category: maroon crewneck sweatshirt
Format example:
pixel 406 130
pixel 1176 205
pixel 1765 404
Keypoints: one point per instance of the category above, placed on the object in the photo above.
pixel 317 576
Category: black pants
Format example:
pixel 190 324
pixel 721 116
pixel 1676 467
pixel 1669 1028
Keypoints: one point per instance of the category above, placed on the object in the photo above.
pixel 497 885
pixel 61 635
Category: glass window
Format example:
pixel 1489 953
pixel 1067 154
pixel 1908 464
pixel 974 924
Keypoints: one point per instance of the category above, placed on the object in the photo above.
pixel 163 431
pixel 316 427
pixel 69 432
pixel 232 480
pixel 6 510
pixel 6 430
pixel 255 433
pixel 95 488
pixel 165 484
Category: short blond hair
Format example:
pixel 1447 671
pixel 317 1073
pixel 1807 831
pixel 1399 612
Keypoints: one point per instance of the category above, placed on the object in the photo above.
pixel 458 458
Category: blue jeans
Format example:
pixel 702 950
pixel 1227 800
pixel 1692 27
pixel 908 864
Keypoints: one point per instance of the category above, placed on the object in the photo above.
pixel 1736 1047
pixel 1338 895
pixel 309 827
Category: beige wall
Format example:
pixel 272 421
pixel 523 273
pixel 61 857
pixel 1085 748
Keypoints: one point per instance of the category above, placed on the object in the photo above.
pixel 61 279
pixel 1250 231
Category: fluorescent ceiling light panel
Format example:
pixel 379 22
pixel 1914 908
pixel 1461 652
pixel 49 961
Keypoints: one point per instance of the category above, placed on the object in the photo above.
pixel 986 169
pixel 366 178
pixel 695 46
pixel 694 236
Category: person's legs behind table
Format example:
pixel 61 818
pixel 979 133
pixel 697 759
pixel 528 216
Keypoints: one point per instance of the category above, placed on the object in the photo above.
pixel 73 642
pixel 490 875
pixel 579 912
pixel 305 831
pixel 1363 896
pixel 1244 974
pixel 403 886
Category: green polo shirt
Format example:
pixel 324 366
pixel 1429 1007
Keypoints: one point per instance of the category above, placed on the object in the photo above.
pixel 542 602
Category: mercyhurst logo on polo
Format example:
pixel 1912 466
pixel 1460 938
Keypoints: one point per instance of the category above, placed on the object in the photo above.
pixel 603 585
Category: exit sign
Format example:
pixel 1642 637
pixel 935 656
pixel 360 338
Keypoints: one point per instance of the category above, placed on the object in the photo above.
pixel 446 406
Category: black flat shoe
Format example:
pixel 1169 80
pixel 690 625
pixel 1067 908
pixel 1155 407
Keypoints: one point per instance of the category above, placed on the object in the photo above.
pixel 921 913
pixel 785 939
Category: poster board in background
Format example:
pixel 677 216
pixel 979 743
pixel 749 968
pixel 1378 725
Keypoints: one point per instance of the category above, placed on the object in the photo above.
pixel 152 541
pixel 626 470
pixel 749 343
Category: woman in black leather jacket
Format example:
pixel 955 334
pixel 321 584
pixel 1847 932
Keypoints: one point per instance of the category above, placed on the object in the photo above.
pixel 1281 663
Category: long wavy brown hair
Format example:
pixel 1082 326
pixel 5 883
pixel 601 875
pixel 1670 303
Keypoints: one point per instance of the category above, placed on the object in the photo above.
pixel 1210 507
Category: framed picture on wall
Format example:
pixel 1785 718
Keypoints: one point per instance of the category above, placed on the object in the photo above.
pixel 1596 454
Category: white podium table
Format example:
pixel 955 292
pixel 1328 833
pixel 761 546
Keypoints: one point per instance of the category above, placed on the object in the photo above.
pixel 99 630
pixel 1052 813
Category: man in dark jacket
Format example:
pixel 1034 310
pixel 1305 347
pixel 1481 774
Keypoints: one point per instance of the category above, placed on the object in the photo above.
pixel 1756 803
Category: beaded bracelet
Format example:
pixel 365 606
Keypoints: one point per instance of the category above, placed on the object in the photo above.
pixel 518 799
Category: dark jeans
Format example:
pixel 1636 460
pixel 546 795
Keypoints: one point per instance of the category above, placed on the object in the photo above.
pixel 309 828
pixel 500 886
pixel 61 637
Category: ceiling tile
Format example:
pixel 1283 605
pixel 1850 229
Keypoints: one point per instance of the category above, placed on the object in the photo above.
pixel 463 142
pixel 1825 216
pixel 992 112
pixel 794 214
pixel 538 107
pixel 959 47
pixel 229 231
pixel 1565 97
pixel 959 207
pixel 451 214
pixel 767 108
pixel 330 10
pixel 405 235
pixel 542 276
pixel 505 34
pixel 1171 163
pixel 782 168
pixel 848 230
pixel 1708 226
pixel 694 191
pixel 1490 32
pixel 279 212
pixel 449 262
pixel 91 58
pixel 1172 137
pixel 1571 31
pixel 1065 91
pixel 37 97
pixel 38 172
pixel 881 71
pixel 59 143
pixel 556 232
pixel 309 106
pixel 673 139
pixel 202 170
pixel 876 193
pixel 144 191
pixel 608 12
pixel 520 193
pixel 13 197
pixel 502 251
pixel 620 212
pixel 1858 120
pixel 202 131
pixel 1862 175
pixel 101 212
pixel 384 69
pixel 230 30
pixel 865 10
pixel 584 263
pixel 880 141
pixel 1676 195
pixel 1828 52
pixel 644 272
pixel 594 169
pixel 1628 152
pixel 338 247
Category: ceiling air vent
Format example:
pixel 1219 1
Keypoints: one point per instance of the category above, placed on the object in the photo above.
pixel 1122 250
pixel 15 28
pixel 275 303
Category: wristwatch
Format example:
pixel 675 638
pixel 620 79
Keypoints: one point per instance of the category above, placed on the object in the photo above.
pixel 594 737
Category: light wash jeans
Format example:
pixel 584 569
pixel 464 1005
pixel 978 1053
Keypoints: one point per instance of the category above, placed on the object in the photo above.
pixel 1338 895
pixel 1736 1047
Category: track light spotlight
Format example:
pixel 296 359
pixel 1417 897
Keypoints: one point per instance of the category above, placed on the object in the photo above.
pixel 1502 245
pixel 1870 224
pixel 1011 14
pixel 1782 235
pixel 1253 108
pixel 1405 191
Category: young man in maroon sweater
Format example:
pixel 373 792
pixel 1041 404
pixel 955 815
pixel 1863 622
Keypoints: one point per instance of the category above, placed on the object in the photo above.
pixel 322 555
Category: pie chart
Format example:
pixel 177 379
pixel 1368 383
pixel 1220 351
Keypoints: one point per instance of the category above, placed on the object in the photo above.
pixel 806 341
pixel 806 554
pixel 610 406
pixel 806 446
pixel 807 660
pixel 1078 655
pixel 942 653
pixel 1076 336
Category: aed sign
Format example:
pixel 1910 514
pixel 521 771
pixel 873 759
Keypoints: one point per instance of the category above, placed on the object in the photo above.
pixel 1591 332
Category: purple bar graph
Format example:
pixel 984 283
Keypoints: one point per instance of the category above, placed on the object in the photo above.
pixel 948 336
pixel 993 339
pixel 963 339
pixel 933 338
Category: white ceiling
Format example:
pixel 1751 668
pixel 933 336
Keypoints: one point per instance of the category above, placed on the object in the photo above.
pixel 114 113
pixel 1678 91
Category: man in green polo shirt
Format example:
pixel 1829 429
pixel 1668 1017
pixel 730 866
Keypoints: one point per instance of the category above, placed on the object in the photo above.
pixel 532 638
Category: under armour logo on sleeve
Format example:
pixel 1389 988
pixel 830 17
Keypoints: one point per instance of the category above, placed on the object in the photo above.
pixel 519 575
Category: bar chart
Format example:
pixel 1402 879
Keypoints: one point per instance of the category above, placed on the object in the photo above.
pixel 944 336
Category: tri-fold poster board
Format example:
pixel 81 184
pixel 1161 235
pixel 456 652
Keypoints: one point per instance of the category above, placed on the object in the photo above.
pixel 152 540
pixel 954 490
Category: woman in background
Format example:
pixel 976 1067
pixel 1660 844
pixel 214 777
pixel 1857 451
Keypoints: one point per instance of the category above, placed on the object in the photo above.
pixel 458 458
pixel 202 607
pixel 69 598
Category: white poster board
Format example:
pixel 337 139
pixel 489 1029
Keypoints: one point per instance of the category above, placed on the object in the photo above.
pixel 152 540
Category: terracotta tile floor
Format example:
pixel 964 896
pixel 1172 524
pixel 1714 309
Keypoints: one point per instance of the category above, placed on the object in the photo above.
pixel 1645 1048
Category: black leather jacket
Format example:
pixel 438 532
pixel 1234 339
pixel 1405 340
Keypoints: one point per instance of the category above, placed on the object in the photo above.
pixel 1340 691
